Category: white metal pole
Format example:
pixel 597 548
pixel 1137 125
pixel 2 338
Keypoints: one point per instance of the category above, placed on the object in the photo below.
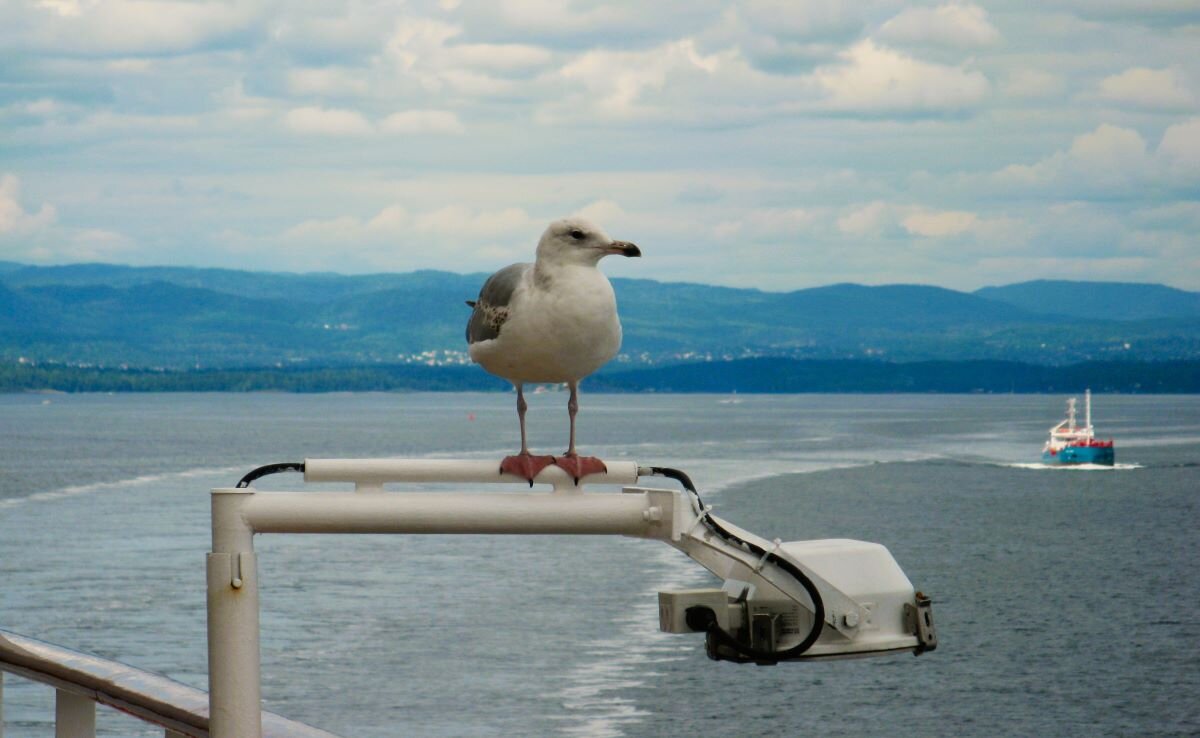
pixel 443 512
pixel 234 687
pixel 1 704
pixel 374 473
pixel 74 716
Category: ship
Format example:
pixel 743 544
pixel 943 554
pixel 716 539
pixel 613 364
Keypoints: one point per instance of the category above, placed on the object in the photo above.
pixel 1077 444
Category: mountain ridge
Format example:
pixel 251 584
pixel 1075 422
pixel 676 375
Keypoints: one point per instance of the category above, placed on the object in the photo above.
pixel 182 316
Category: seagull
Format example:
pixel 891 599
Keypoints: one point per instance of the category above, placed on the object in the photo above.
pixel 552 321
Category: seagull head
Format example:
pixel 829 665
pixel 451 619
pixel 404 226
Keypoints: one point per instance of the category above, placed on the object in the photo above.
pixel 579 241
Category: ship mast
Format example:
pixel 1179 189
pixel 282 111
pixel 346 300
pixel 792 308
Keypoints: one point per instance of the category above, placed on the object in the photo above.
pixel 1087 407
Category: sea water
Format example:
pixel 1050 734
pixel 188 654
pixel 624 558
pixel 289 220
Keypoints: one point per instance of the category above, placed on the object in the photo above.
pixel 1066 600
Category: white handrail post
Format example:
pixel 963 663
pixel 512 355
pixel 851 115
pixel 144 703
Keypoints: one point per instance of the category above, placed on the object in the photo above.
pixel 74 716
pixel 1 704
pixel 234 690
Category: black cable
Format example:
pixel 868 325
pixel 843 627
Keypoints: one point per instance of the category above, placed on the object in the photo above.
pixel 811 589
pixel 262 471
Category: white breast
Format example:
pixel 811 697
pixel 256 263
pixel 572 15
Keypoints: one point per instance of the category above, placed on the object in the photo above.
pixel 561 331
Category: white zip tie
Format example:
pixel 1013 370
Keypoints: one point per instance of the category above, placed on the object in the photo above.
pixel 763 561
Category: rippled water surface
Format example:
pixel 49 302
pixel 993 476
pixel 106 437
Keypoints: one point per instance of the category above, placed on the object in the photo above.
pixel 1065 599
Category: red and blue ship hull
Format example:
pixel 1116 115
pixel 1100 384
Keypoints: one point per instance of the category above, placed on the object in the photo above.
pixel 1096 453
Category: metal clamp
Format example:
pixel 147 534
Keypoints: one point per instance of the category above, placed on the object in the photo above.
pixel 919 620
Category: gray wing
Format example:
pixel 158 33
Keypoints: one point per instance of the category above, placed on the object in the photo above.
pixel 491 309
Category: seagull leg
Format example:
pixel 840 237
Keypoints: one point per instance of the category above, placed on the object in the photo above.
pixel 571 462
pixel 572 410
pixel 522 406
pixel 524 465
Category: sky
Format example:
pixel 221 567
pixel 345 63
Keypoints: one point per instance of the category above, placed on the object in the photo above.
pixel 777 144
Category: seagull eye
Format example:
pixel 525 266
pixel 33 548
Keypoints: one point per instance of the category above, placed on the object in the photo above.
pixel 577 234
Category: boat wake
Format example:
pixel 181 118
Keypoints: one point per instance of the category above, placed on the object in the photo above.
pixel 600 696
pixel 102 487
pixel 1074 467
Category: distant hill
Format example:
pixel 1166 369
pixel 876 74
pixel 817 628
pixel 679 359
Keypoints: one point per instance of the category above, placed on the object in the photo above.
pixel 774 375
pixel 1092 300
pixel 174 317
pixel 746 376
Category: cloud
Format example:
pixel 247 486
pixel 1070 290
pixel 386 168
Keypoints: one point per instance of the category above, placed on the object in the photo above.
pixel 1179 150
pixel 15 220
pixel 422 121
pixel 132 27
pixel 961 25
pixel 1109 157
pixel 562 21
pixel 1033 84
pixel 327 122
pixel 768 224
pixel 631 84
pixel 868 219
pixel 816 19
pixel 1161 89
pixel 726 137
pixel 875 79
pixel 397 237
pixel 464 222
pixel 939 224
pixel 38 237
pixel 327 82
pixel 1114 160
pixel 429 53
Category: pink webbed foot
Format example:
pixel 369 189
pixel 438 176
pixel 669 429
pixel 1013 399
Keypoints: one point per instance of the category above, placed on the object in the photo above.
pixel 580 466
pixel 525 465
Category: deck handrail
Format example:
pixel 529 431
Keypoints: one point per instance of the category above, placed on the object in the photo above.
pixel 151 697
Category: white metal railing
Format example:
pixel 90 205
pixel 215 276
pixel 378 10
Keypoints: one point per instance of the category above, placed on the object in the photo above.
pixel 82 681
pixel 859 602
pixel 239 513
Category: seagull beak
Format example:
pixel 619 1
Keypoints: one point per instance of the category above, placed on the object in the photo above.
pixel 624 248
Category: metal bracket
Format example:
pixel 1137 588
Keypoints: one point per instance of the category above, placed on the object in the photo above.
pixel 919 620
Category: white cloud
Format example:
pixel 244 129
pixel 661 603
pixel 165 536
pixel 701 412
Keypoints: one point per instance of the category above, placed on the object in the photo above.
pixel 769 224
pixel 558 18
pixel 64 8
pixel 328 82
pixel 430 53
pixel 1184 216
pixel 931 224
pixel 1164 89
pixel 506 57
pixel 1033 84
pixel 422 121
pixel 1179 150
pixel 327 121
pixel 396 237
pixel 238 106
pixel 1108 149
pixel 603 211
pixel 724 137
pixel 871 78
pixel 130 27
pixel 14 218
pixel 963 25
pixel 635 84
pixel 38 237
pixel 868 219
pixel 811 19
pixel 1106 158
pixel 461 221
